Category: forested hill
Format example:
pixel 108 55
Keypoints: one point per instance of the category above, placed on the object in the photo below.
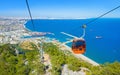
pixel 21 64
pixel 27 62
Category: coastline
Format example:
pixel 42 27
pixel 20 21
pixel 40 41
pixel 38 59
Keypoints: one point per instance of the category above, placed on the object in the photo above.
pixel 25 27
pixel 81 56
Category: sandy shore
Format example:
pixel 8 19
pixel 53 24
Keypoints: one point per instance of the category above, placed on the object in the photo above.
pixel 25 27
pixel 81 56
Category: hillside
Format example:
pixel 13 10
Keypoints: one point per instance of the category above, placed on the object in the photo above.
pixel 16 61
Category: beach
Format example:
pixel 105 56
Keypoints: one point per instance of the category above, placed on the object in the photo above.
pixel 81 56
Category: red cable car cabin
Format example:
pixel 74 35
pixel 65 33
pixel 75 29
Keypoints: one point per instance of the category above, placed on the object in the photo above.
pixel 79 46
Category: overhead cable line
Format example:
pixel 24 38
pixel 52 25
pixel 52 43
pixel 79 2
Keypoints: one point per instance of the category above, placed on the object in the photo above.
pixel 103 15
pixel 84 25
pixel 30 14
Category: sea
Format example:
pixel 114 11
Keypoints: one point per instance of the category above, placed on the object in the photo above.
pixel 102 36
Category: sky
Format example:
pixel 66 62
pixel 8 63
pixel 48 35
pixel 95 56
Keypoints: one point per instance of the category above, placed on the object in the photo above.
pixel 60 8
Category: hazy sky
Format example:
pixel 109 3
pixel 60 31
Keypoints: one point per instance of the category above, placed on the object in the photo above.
pixel 59 8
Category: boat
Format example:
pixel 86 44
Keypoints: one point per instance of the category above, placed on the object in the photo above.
pixel 98 37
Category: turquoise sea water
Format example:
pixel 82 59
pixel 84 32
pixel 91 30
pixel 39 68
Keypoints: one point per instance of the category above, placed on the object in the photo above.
pixel 105 49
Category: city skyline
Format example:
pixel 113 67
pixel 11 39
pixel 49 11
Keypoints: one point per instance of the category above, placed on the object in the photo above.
pixel 60 8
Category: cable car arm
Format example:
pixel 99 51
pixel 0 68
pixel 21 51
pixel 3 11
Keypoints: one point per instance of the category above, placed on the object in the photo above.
pixel 83 35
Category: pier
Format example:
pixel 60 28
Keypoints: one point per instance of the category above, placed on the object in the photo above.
pixel 67 41
pixel 68 34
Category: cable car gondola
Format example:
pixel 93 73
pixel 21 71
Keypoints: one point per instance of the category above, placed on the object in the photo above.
pixel 79 46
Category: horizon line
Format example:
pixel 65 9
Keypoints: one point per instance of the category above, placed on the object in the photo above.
pixel 51 18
